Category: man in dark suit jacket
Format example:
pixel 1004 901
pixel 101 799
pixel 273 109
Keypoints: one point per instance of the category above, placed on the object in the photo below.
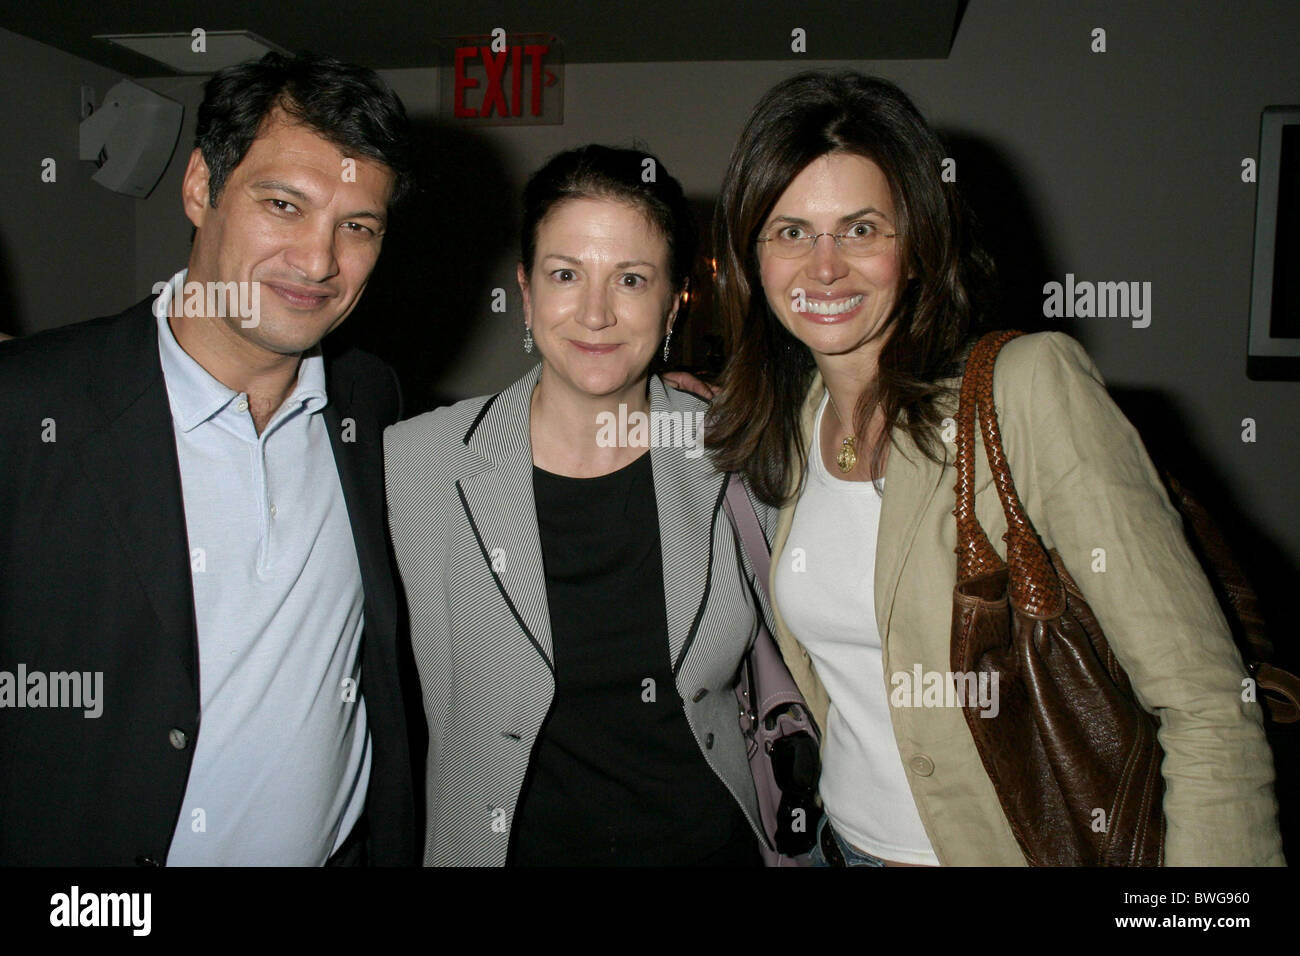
pixel 199 655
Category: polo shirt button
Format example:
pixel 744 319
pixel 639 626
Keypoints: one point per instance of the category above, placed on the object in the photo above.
pixel 921 765
pixel 178 738
pixel 708 742
pixel 272 511
pixel 242 405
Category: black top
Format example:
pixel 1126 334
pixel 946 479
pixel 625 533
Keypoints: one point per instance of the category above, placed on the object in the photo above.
pixel 617 776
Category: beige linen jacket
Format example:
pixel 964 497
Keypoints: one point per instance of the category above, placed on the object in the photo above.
pixel 1089 488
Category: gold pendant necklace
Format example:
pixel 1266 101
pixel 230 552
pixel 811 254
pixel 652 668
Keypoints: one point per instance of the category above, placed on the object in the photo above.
pixel 848 454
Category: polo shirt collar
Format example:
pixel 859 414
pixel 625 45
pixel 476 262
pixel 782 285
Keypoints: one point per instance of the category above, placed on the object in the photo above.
pixel 196 396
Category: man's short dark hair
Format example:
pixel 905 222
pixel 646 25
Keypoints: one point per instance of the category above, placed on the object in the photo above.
pixel 348 105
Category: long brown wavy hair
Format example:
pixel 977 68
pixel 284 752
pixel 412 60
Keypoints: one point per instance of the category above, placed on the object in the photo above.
pixel 754 422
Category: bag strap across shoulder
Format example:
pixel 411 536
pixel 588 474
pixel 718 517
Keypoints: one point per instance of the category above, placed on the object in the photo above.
pixel 745 521
pixel 1033 584
pixel 763 666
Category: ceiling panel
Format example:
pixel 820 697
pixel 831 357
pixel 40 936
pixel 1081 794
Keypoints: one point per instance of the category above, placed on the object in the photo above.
pixel 388 34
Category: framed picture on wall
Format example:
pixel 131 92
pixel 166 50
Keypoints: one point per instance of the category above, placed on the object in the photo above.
pixel 1274 348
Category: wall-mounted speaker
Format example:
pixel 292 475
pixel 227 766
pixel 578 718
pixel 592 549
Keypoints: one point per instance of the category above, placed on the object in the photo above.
pixel 131 138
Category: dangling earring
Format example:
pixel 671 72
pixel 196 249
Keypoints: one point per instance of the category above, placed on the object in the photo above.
pixel 528 340
pixel 668 343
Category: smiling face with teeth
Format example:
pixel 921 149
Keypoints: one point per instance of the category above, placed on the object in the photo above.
pixel 836 304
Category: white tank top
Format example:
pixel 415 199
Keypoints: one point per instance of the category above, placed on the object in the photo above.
pixel 825 590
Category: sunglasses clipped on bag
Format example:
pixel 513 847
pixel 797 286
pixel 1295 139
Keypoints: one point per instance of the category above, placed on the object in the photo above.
pixel 796 765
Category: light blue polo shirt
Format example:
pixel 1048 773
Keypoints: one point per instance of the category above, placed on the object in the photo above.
pixel 282 758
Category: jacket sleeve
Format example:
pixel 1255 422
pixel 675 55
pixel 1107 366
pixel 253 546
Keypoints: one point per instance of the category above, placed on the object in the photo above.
pixel 1094 495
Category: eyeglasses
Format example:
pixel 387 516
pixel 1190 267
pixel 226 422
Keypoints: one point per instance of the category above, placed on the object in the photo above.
pixel 860 240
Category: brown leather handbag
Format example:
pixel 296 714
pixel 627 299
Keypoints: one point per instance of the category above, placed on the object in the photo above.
pixel 1072 755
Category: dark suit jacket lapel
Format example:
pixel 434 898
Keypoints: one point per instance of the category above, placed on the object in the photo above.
pixel 496 489
pixel 132 462
pixel 358 453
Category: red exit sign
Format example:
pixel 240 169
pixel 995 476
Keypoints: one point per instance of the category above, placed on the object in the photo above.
pixel 500 80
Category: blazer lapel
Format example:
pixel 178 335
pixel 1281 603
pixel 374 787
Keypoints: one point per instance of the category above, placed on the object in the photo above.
pixel 496 490
pixel 687 497
pixel 911 482
pixel 361 478
pixel 132 462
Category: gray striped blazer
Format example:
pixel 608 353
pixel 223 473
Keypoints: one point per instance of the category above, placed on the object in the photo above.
pixel 464 527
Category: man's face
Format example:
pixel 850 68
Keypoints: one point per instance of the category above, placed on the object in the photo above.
pixel 298 217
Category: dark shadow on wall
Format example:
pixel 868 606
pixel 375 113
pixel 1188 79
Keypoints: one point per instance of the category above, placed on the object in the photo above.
pixel 697 344
pixel 956 23
pixel 10 321
pixel 1170 440
pixel 431 280
pixel 434 273
pixel 1011 230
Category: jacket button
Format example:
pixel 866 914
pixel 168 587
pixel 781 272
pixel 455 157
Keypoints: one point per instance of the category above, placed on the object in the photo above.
pixel 146 861
pixel 921 765
pixel 700 695
pixel 178 738
pixel 708 742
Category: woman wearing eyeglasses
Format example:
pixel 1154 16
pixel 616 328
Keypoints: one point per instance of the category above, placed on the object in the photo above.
pixel 578 604
pixel 849 289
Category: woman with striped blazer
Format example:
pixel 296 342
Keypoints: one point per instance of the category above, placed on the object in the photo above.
pixel 579 605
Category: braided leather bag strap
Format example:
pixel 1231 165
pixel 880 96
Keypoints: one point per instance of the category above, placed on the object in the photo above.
pixel 975 555
pixel 1033 584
